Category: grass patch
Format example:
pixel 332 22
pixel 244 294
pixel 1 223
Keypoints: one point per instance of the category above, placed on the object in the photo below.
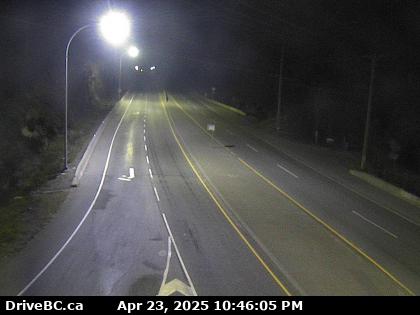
pixel 23 218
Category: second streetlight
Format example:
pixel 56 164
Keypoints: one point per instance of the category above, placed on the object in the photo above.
pixel 132 52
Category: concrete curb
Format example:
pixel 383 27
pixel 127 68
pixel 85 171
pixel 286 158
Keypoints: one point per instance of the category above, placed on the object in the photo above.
pixel 238 111
pixel 89 150
pixel 387 187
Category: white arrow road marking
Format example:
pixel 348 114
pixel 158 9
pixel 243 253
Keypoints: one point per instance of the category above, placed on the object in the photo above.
pixel 176 285
pixel 131 173
pixel 51 261
pixel 168 261
pixel 128 178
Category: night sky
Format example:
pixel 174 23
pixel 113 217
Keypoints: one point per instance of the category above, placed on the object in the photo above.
pixel 235 46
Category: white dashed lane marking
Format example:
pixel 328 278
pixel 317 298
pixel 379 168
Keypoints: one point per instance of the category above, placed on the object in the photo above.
pixel 374 224
pixel 287 171
pixel 156 193
pixel 251 147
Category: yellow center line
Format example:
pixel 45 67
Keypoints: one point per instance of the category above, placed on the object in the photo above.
pixel 220 207
pixel 307 211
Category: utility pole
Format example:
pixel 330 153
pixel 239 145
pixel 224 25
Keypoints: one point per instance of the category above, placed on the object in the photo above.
pixel 317 115
pixel 278 116
pixel 368 112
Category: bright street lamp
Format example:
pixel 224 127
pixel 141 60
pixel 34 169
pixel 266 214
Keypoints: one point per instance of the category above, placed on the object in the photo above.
pixel 115 28
pixel 133 51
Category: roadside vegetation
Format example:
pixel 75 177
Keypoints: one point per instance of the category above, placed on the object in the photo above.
pixel 31 146
pixel 339 115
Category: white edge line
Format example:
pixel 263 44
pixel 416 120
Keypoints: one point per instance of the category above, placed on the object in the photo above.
pixel 287 171
pixel 168 261
pixel 251 147
pixel 156 193
pixel 373 223
pixel 179 256
pixel 87 212
pixel 353 190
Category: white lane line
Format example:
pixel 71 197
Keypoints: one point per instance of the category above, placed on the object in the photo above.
pixel 168 261
pixel 147 159
pixel 87 212
pixel 150 173
pixel 251 147
pixel 144 130
pixel 179 256
pixel 319 172
pixel 145 147
pixel 156 193
pixel 373 223
pixel 287 171
pixel 144 138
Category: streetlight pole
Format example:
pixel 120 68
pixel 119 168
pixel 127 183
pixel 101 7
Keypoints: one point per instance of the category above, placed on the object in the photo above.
pixel 115 27
pixel 132 52
pixel 278 115
pixel 67 92
pixel 368 113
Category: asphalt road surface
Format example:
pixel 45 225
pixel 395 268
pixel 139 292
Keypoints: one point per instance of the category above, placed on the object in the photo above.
pixel 168 206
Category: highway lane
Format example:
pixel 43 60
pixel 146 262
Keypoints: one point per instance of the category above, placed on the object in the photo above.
pixel 219 262
pixel 343 210
pixel 163 207
pixel 119 249
pixel 388 237
pixel 17 272
pixel 140 223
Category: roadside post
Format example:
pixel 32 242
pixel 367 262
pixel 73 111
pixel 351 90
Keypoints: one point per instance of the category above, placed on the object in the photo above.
pixel 211 127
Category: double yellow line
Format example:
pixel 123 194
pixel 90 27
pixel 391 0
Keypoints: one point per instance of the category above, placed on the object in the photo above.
pixel 298 204
pixel 220 207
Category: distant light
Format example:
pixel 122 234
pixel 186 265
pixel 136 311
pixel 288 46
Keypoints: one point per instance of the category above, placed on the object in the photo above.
pixel 133 51
pixel 115 27
pixel 137 68
pixel 141 70
pixel 152 68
